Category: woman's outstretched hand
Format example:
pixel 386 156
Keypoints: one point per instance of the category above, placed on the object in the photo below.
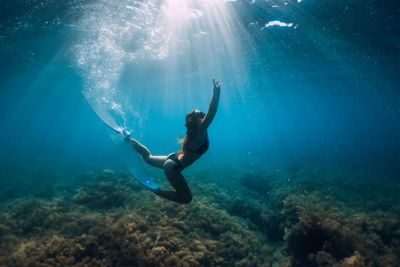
pixel 217 85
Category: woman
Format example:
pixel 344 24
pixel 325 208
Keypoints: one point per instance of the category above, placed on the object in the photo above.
pixel 194 145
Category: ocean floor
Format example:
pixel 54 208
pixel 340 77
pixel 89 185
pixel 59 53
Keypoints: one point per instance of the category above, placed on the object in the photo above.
pixel 294 217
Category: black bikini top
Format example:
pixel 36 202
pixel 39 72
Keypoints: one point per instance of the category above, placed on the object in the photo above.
pixel 203 148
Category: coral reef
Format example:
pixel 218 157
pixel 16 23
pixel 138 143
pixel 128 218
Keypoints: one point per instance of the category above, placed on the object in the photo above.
pixel 257 183
pixel 321 236
pixel 105 195
pixel 107 219
pixel 316 236
pixel 210 239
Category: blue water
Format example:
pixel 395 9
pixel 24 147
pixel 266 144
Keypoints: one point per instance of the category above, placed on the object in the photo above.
pixel 304 83
pixel 324 91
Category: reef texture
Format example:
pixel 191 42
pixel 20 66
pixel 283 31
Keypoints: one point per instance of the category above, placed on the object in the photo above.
pixel 292 218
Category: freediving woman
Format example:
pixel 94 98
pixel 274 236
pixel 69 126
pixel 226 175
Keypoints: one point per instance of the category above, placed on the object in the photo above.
pixel 194 145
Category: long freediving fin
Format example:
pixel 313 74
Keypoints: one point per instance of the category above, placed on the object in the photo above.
pixel 131 158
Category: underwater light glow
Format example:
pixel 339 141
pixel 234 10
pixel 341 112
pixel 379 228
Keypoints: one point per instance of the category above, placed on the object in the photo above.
pixel 184 40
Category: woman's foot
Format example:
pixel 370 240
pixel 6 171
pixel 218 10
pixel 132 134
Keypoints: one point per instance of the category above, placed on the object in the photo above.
pixel 127 136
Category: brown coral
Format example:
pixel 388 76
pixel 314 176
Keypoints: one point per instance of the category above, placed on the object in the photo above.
pixel 111 221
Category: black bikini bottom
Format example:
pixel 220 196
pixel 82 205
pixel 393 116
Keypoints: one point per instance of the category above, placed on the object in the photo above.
pixel 174 158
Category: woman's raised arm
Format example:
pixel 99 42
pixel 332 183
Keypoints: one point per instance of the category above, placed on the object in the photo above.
pixel 212 110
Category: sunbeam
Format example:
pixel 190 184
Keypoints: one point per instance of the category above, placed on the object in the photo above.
pixel 184 43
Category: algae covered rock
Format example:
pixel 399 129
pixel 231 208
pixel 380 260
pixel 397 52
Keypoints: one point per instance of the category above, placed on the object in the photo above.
pixel 105 195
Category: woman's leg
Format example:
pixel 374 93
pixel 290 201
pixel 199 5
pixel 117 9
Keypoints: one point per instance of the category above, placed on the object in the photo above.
pixel 156 161
pixel 182 192
pixel 172 170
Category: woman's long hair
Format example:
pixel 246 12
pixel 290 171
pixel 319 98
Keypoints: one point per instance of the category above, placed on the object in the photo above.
pixel 193 120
